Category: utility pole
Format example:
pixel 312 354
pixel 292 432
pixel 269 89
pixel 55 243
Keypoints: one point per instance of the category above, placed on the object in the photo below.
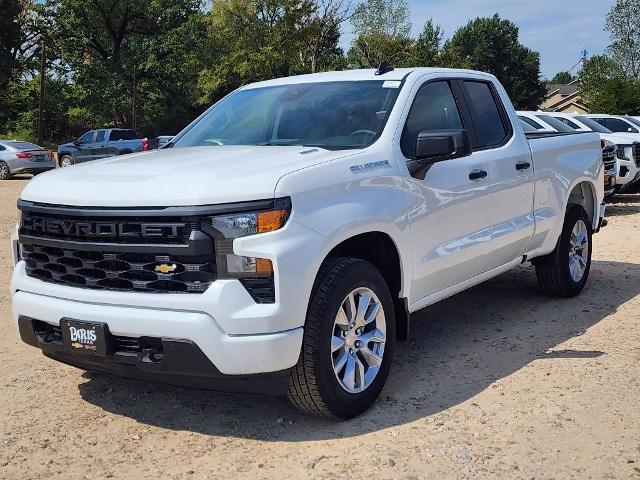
pixel 41 100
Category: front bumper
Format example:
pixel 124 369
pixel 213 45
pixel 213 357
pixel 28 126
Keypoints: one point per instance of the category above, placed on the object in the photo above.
pixel 230 354
pixel 176 362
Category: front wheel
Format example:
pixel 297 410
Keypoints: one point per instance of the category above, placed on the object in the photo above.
pixel 564 272
pixel 348 341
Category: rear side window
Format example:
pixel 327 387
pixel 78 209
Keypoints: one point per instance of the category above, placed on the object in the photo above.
pixel 434 108
pixel 122 135
pixel 99 135
pixel 568 122
pixel 530 122
pixel 491 128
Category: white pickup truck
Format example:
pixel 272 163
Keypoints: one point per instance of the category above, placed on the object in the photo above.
pixel 281 242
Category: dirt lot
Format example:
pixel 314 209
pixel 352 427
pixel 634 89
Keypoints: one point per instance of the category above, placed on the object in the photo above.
pixel 499 381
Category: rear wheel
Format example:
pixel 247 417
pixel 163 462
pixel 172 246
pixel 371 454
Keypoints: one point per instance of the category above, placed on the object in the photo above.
pixel 348 341
pixel 5 173
pixel 66 161
pixel 564 272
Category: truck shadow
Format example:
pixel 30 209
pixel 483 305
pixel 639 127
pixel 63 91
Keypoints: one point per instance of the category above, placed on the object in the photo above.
pixel 623 205
pixel 458 348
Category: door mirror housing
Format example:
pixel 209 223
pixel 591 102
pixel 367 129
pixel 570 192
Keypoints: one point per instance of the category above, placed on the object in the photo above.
pixel 439 145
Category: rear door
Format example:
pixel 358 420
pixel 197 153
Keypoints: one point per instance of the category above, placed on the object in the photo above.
pixel 511 171
pixel 99 145
pixel 450 208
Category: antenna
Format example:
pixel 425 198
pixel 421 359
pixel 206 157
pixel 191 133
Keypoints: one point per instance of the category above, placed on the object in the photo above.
pixel 384 68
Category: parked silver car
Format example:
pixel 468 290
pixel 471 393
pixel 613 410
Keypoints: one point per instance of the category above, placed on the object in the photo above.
pixel 23 157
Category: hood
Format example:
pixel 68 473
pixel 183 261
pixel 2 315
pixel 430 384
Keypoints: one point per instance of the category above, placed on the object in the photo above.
pixel 66 146
pixel 175 177
pixel 622 138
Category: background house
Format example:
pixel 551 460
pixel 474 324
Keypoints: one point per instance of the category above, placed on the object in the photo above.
pixel 564 98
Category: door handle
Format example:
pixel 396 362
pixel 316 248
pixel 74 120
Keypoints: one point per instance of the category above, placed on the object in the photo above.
pixel 478 175
pixel 523 166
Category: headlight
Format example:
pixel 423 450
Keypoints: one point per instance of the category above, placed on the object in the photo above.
pixel 244 224
pixel 226 228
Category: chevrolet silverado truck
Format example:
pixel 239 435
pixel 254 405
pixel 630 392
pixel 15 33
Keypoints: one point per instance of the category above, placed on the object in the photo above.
pixel 282 241
pixel 97 144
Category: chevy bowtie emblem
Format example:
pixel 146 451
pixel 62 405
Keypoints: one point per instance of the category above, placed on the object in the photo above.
pixel 164 268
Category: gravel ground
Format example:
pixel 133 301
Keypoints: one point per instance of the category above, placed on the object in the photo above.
pixel 496 382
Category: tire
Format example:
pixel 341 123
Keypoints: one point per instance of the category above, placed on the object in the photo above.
pixel 66 161
pixel 125 152
pixel 5 172
pixel 555 272
pixel 314 387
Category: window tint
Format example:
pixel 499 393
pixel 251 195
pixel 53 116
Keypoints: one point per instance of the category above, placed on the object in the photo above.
pixel 2 148
pixel 617 125
pixel 530 122
pixel 122 135
pixel 434 108
pixel 568 122
pixel 556 124
pixel 526 127
pixel 486 116
pixel 99 135
pixel 87 137
pixel 593 125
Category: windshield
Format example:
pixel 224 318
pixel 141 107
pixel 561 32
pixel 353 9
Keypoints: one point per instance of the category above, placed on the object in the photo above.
pixel 592 124
pixel 633 120
pixel 555 123
pixel 335 115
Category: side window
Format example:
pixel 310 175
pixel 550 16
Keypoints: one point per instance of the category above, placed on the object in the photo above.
pixel 2 148
pixel 434 108
pixel 87 137
pixel 617 125
pixel 99 136
pixel 491 129
pixel 532 123
pixel 568 122
pixel 601 121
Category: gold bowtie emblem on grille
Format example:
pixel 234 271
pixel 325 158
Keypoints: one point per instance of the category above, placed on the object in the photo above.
pixel 164 268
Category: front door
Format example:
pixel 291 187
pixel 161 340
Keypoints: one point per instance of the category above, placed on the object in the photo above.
pixel 450 209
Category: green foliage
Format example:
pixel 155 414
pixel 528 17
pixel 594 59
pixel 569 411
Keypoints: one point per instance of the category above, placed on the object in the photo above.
pixel 606 88
pixel 623 25
pixel 429 44
pixel 253 40
pixel 388 18
pixel 562 78
pixel 492 45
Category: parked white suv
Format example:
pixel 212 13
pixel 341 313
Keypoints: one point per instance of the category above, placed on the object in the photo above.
pixel 285 239
pixel 627 146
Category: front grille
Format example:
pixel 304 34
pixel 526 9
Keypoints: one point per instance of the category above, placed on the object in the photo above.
pixel 609 159
pixel 108 229
pixel 636 153
pixel 139 272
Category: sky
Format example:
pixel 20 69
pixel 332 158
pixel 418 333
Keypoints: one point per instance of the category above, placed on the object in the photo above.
pixel 558 29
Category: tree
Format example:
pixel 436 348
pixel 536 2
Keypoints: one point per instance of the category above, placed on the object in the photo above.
pixel 492 45
pixel 382 29
pixel 252 40
pixel 130 61
pixel 429 44
pixel 623 25
pixel 321 46
pixel 606 88
pixel 562 78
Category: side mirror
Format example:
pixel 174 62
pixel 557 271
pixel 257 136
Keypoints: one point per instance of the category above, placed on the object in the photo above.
pixel 77 142
pixel 631 130
pixel 440 145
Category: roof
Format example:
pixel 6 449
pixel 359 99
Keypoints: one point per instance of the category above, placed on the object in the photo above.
pixel 397 74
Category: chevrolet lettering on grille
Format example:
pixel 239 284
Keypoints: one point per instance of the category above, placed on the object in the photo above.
pixel 102 229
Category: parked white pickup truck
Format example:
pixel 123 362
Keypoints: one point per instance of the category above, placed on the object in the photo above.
pixel 283 240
